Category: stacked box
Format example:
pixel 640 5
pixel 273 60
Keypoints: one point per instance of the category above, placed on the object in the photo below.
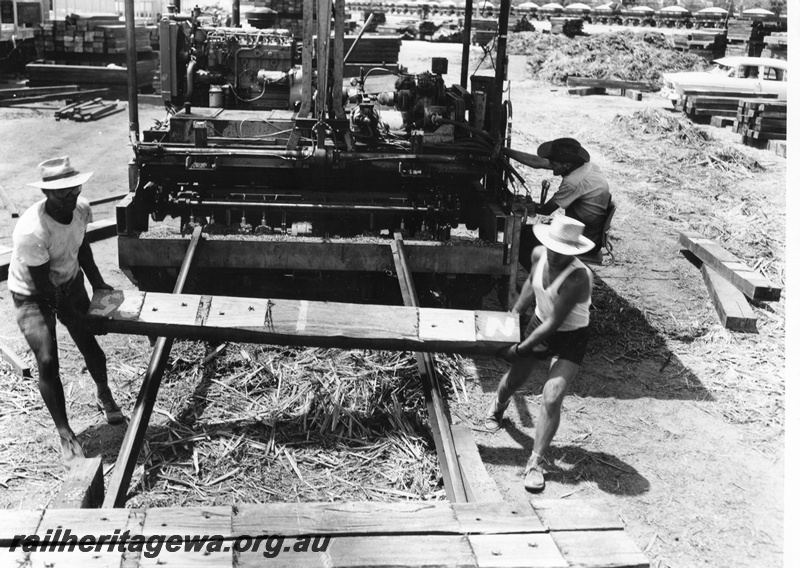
pixel 761 120
pixel 776 45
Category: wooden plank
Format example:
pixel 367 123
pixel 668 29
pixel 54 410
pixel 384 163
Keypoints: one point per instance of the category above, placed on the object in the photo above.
pixel 417 551
pixel 351 518
pixel 517 551
pixel 300 322
pixel 721 121
pixel 15 522
pixel 74 559
pixel 28 91
pixel 576 514
pixel 600 549
pixel 586 91
pixel 99 230
pixel 53 97
pixel 608 83
pixel 82 522
pixel 778 146
pixel 83 486
pixel 746 280
pixel 16 362
pixel 479 485
pixel 497 518
pixel 189 521
pixel 222 558
pixel 732 308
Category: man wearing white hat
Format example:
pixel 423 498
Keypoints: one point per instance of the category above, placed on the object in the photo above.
pixel 45 278
pixel 562 287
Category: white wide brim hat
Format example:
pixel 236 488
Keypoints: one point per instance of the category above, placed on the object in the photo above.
pixel 59 174
pixel 564 236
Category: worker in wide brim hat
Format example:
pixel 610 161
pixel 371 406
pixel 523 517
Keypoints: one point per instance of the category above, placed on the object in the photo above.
pixel 46 281
pixel 583 194
pixel 561 286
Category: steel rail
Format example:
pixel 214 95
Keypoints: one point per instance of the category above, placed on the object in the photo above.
pixel 440 424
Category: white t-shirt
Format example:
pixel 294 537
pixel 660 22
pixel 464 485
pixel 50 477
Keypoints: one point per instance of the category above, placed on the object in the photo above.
pixel 38 238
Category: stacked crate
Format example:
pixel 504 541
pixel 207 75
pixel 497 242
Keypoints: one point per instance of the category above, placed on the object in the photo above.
pixel 761 120
pixel 776 45
pixel 745 37
pixel 53 39
pixel 706 43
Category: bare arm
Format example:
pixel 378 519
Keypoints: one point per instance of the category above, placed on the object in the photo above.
pixel 576 288
pixel 526 296
pixel 86 262
pixel 530 160
pixel 44 286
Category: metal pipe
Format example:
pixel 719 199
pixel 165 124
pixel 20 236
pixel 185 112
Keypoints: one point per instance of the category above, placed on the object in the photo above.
pixel 195 203
pixel 500 73
pixel 137 427
pixel 465 43
pixel 133 87
pixel 358 37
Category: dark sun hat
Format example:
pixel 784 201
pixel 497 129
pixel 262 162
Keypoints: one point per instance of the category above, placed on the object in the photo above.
pixel 564 150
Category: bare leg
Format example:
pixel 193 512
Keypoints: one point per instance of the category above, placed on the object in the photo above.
pixel 39 331
pixel 561 374
pixel 514 378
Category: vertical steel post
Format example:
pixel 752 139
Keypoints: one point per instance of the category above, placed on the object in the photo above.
pixel 500 68
pixel 133 87
pixel 466 41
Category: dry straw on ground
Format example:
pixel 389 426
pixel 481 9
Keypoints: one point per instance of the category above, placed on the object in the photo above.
pixel 279 424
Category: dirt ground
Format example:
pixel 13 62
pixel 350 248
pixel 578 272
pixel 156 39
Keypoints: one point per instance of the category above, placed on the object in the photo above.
pixel 674 422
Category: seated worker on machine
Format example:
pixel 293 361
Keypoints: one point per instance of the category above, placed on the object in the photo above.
pixel 583 192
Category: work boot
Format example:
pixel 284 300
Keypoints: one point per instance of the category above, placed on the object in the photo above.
pixel 534 475
pixel 106 404
pixel 494 417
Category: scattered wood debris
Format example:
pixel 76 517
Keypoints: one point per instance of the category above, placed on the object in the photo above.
pixel 10 356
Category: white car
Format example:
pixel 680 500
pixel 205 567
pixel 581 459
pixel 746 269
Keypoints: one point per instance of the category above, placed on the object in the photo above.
pixel 760 75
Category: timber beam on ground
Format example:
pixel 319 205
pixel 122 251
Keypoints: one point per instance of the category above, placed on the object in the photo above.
pixel 543 533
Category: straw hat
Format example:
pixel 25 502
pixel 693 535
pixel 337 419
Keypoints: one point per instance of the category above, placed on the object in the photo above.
pixel 563 150
pixel 564 236
pixel 59 174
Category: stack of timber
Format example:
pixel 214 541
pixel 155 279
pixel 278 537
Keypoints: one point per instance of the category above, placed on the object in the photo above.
pixel 569 27
pixel 706 43
pixel 700 105
pixel 94 109
pixel 745 37
pixel 90 50
pixel 372 50
pixel 761 121
pixel 545 532
pixel 776 45
pixel 730 282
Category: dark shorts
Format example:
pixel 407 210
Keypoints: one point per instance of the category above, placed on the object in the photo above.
pixel 34 316
pixel 567 345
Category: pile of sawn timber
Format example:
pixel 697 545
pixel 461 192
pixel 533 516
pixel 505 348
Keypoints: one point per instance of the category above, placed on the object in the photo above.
pixel 730 282
pixel 762 122
pixel 700 105
pixel 706 43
